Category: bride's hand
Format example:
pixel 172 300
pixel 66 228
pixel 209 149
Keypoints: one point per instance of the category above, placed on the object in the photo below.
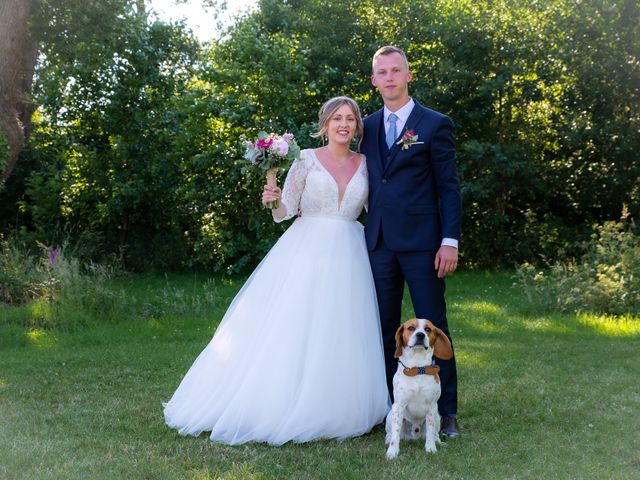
pixel 270 194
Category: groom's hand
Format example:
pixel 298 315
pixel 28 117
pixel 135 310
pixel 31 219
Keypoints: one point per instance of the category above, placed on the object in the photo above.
pixel 446 260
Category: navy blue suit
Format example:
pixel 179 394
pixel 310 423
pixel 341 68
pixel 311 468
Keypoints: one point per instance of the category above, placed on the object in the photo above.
pixel 414 202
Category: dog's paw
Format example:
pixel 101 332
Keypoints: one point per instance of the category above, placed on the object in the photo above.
pixel 392 451
pixel 430 447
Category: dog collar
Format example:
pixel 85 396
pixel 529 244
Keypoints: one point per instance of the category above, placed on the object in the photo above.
pixel 426 370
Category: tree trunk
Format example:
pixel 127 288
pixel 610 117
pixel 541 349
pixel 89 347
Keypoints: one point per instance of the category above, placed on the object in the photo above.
pixel 18 54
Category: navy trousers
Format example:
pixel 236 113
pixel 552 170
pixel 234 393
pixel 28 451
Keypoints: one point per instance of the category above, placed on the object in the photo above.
pixel 390 271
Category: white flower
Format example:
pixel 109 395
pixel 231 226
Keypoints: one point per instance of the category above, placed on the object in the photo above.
pixel 279 147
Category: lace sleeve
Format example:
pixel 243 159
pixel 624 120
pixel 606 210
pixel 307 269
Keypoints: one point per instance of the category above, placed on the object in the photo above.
pixel 293 188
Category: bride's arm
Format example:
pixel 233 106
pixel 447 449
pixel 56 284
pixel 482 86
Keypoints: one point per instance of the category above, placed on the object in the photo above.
pixel 291 193
pixel 271 194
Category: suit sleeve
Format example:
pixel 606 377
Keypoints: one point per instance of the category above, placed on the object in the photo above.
pixel 443 157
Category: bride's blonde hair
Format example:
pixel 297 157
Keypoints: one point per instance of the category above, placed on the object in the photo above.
pixel 329 108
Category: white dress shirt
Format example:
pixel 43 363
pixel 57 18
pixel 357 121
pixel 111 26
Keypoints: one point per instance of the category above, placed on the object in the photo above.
pixel 403 115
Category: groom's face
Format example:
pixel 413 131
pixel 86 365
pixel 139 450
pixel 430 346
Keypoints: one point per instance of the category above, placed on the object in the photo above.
pixel 391 76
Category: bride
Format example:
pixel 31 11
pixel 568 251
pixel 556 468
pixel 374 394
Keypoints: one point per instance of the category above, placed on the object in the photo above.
pixel 298 354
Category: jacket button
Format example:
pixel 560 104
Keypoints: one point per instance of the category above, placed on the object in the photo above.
pixel 384 180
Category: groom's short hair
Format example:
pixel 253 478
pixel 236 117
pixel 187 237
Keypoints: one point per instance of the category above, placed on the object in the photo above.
pixel 388 50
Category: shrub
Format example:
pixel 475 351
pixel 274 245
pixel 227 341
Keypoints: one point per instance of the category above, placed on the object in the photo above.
pixel 55 288
pixel 21 276
pixel 5 152
pixel 59 289
pixel 606 279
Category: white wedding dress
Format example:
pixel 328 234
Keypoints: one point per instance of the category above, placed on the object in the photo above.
pixel 298 355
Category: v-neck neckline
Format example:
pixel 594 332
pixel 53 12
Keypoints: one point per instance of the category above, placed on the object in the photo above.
pixel 335 182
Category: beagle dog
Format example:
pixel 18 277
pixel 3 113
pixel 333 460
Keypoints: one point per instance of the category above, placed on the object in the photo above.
pixel 416 385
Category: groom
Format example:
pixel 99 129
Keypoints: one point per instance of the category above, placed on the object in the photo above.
pixel 413 223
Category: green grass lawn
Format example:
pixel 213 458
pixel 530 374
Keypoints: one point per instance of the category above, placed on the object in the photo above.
pixel 541 396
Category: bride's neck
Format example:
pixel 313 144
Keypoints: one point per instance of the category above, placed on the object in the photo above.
pixel 339 152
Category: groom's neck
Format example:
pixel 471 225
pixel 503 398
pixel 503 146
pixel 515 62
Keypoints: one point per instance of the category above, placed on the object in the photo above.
pixel 396 105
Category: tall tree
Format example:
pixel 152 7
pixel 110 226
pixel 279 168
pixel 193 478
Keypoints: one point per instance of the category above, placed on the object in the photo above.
pixel 45 30
pixel 18 53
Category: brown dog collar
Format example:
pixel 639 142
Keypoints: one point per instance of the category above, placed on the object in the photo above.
pixel 426 370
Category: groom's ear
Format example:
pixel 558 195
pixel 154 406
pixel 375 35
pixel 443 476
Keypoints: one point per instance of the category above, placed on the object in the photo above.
pixel 399 341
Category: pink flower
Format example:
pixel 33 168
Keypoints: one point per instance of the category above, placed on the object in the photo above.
pixel 264 143
pixel 53 255
pixel 408 139
pixel 271 151
pixel 280 147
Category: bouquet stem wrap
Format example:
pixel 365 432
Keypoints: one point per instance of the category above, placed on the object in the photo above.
pixel 272 181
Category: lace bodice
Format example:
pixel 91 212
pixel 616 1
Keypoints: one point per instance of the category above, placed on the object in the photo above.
pixel 311 190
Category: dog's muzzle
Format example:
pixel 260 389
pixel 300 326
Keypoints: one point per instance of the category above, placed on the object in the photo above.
pixel 419 340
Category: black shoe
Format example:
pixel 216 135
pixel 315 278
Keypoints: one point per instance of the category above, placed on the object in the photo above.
pixel 449 426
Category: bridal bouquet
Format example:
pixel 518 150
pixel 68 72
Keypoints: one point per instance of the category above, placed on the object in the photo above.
pixel 272 152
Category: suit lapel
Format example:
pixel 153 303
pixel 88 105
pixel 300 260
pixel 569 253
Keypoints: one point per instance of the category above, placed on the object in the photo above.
pixel 414 118
pixel 376 120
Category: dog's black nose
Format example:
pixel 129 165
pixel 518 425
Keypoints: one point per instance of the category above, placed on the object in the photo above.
pixel 420 336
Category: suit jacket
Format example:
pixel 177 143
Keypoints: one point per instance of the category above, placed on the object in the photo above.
pixel 414 194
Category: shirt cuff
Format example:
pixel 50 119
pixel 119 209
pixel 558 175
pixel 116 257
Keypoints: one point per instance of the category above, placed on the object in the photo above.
pixel 449 242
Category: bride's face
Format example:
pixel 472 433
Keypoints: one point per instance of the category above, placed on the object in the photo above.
pixel 342 125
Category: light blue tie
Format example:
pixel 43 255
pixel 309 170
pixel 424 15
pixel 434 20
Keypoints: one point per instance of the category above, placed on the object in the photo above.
pixel 391 133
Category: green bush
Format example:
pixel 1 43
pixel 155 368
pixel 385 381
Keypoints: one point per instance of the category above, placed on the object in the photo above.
pixel 606 279
pixel 59 289
pixel 55 288
pixel 137 139
pixel 4 152
pixel 21 276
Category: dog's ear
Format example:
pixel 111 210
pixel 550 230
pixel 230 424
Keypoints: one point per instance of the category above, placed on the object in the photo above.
pixel 399 341
pixel 442 348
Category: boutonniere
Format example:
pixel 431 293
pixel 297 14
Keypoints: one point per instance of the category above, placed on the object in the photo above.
pixel 408 139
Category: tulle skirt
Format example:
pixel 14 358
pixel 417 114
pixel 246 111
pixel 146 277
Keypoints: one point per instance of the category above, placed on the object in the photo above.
pixel 298 355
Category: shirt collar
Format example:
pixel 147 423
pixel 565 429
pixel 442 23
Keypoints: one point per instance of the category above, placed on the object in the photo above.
pixel 403 113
